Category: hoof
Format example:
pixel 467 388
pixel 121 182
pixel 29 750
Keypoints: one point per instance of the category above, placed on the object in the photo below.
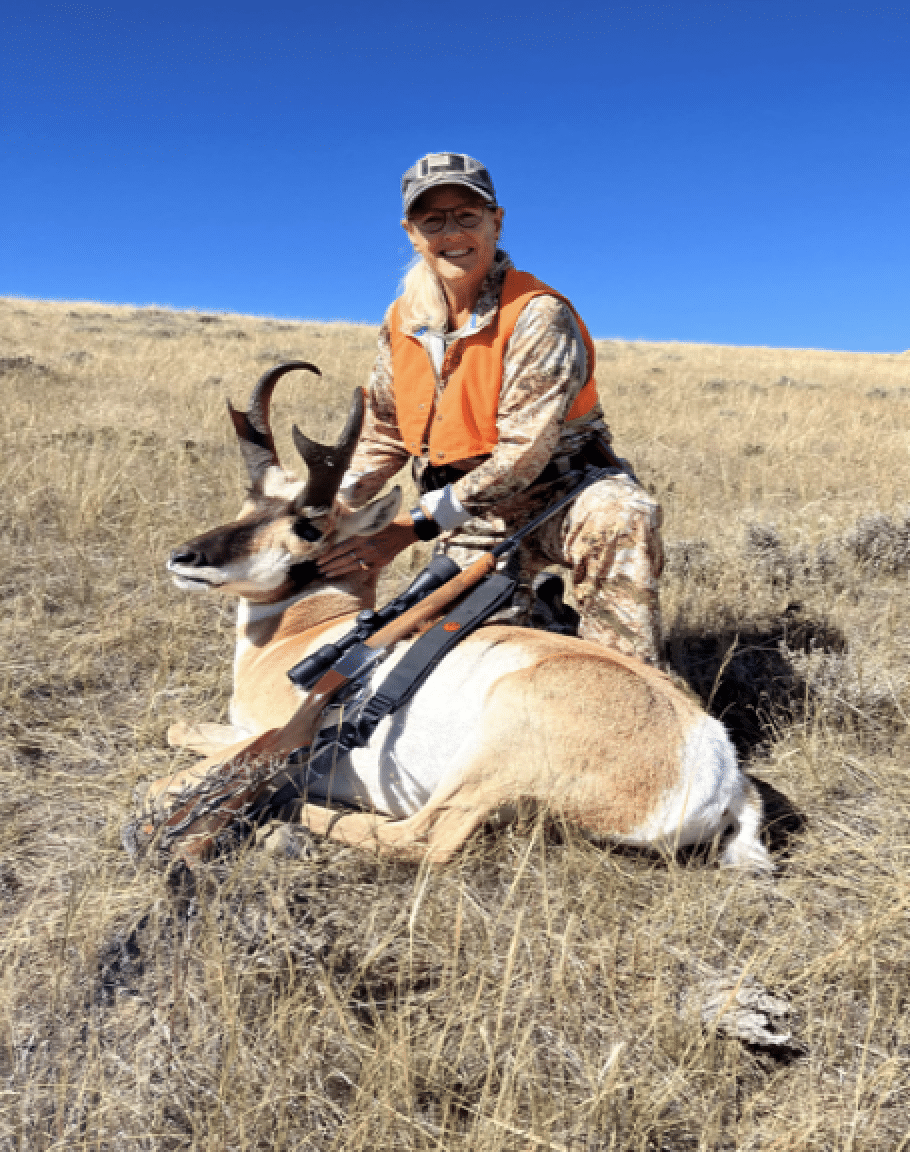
pixel 287 841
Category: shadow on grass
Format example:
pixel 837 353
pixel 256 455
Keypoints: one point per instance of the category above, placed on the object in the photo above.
pixel 745 675
pixel 782 823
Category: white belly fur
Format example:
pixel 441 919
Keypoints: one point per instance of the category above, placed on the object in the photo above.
pixel 412 751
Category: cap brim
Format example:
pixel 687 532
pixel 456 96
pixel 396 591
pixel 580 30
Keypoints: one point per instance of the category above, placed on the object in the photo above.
pixel 439 181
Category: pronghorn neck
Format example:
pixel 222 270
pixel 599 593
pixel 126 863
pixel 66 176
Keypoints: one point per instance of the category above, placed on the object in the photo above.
pixel 262 624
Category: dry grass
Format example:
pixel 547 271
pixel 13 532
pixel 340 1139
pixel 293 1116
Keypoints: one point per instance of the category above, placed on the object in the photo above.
pixel 539 993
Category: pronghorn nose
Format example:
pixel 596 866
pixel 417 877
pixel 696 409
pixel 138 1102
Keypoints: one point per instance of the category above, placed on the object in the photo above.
pixel 188 558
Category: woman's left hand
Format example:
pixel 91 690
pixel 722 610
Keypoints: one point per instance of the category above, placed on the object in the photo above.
pixel 363 553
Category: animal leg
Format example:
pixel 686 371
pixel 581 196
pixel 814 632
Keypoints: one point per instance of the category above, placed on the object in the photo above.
pixel 359 829
pixel 161 792
pixel 434 835
pixel 431 835
pixel 745 849
pixel 204 738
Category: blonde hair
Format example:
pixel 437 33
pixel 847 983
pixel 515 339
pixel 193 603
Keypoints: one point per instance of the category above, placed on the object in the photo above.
pixel 423 301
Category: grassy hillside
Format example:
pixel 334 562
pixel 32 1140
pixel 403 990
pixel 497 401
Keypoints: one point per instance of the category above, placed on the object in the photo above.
pixel 540 992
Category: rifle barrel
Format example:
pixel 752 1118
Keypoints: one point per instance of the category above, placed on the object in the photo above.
pixel 590 478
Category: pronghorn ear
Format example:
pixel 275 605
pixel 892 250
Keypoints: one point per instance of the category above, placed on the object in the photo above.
pixel 371 518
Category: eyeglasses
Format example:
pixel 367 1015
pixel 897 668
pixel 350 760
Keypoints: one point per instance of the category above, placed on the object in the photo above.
pixel 466 218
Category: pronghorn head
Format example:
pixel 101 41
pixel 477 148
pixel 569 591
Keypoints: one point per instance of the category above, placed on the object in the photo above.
pixel 269 552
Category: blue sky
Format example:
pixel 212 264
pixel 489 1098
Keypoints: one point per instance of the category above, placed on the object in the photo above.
pixel 736 173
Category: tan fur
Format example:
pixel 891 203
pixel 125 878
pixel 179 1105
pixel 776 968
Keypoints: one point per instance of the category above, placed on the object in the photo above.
pixel 263 695
pixel 584 732
pixel 602 774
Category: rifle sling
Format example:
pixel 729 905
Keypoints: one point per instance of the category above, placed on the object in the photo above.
pixel 423 656
pixel 336 738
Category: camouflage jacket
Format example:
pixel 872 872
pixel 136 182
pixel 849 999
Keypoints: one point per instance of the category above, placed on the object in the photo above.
pixel 544 369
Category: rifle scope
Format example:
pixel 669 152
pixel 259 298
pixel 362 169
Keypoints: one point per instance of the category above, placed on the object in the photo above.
pixel 439 571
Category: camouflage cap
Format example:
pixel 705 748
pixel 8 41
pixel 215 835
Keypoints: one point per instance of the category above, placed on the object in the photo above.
pixel 437 168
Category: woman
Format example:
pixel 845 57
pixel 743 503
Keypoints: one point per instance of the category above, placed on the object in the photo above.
pixel 485 382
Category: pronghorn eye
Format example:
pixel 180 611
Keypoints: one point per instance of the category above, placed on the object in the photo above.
pixel 307 531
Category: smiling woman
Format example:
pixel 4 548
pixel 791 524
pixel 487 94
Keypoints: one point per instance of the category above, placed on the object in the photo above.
pixel 484 382
pixel 454 233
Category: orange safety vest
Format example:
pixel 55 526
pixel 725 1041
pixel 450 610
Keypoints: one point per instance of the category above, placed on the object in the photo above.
pixel 464 422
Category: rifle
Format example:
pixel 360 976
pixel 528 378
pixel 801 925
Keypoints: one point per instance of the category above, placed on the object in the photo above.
pixel 439 571
pixel 244 783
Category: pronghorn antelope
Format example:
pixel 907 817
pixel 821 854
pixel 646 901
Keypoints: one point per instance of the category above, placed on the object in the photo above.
pixel 510 717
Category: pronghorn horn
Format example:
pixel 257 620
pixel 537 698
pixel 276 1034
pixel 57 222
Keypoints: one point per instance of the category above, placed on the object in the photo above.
pixel 252 427
pixel 326 464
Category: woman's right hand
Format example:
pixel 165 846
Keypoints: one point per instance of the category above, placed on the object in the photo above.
pixel 363 553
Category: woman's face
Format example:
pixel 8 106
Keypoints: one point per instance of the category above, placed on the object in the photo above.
pixel 459 256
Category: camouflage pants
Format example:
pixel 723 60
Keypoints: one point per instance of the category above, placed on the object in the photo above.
pixel 608 539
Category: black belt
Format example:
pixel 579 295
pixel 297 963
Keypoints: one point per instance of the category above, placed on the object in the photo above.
pixel 592 455
pixel 434 477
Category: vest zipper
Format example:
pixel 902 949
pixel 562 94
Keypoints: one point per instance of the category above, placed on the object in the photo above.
pixel 437 381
